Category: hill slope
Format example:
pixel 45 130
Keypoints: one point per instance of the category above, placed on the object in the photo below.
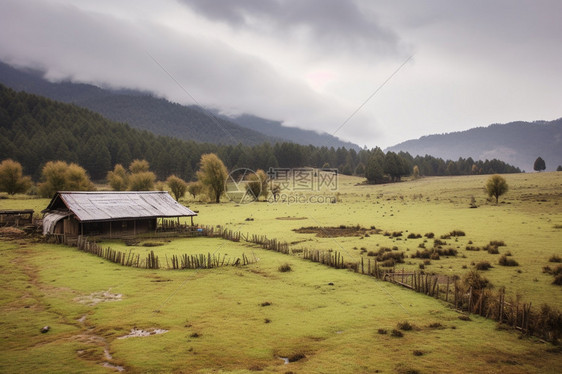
pixel 144 111
pixel 293 134
pixel 517 143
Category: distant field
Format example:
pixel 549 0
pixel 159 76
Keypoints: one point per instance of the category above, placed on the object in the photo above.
pixel 256 318
pixel 528 220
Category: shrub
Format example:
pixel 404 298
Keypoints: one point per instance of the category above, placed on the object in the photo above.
pixel 447 252
pixel 483 265
pixel 438 242
pixel 475 280
pixel 152 244
pixel 388 263
pixel 414 236
pixel 418 353
pixel 396 333
pixel 555 258
pixel 284 268
pixel 504 261
pixel 430 235
pixel 457 233
pixel 493 250
pixel 471 248
pixel 382 331
pixel 421 266
pixel 497 243
pixel 404 326
pixel 557 280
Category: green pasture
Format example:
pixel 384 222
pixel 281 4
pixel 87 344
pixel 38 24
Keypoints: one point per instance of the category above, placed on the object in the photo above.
pixel 528 220
pixel 235 319
pixel 246 319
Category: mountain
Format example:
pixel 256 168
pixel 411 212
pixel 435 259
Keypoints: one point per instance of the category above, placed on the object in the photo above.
pixel 293 134
pixel 517 143
pixel 144 111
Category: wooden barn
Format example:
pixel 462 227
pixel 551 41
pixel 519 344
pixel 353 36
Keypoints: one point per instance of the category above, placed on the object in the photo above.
pixel 110 214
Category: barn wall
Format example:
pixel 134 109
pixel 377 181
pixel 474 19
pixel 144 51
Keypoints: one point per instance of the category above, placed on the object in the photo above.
pixel 120 228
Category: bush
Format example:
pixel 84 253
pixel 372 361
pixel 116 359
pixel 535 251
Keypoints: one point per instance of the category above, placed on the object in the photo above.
pixel 483 265
pixel 382 331
pixel 557 280
pixel 475 280
pixel 471 248
pixel 555 258
pixel 430 235
pixel 404 326
pixel 497 243
pixel 396 333
pixel 493 250
pixel 414 236
pixel 504 261
pixel 437 243
pixel 284 268
pixel 457 233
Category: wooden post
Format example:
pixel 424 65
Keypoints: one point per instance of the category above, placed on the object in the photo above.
pixel 447 294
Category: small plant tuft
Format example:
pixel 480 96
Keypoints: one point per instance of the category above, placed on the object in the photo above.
pixel 404 326
pixel 504 261
pixel 285 268
pixel 483 265
pixel 396 333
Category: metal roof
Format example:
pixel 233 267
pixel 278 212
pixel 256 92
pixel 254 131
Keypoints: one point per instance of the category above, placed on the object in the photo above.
pixel 107 206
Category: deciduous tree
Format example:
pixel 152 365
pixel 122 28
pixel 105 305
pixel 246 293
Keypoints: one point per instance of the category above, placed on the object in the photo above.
pixel 142 181
pixel 539 164
pixel 194 188
pixel 212 174
pixel 118 179
pixel 60 176
pixel 496 186
pixel 177 186
pixel 12 180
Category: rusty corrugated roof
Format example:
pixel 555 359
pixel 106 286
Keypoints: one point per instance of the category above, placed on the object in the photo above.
pixel 107 206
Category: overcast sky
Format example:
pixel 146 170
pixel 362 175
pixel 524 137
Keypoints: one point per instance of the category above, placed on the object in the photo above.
pixel 373 72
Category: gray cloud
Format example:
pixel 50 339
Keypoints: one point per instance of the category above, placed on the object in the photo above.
pixel 328 25
pixel 308 63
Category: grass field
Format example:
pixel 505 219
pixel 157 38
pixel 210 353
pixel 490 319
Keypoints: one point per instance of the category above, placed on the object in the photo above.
pixel 255 318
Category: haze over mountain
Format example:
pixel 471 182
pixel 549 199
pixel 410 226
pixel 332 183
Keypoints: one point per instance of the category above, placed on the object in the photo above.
pixel 517 143
pixel 144 111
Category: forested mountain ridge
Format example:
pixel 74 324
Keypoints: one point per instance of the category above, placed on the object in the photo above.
pixel 517 143
pixel 144 111
pixel 299 136
pixel 35 130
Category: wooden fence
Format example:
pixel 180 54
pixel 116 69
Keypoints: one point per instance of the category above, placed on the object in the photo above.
pixel 543 322
pixel 151 261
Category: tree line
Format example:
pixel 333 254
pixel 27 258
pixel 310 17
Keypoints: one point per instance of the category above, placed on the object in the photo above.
pixel 36 130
